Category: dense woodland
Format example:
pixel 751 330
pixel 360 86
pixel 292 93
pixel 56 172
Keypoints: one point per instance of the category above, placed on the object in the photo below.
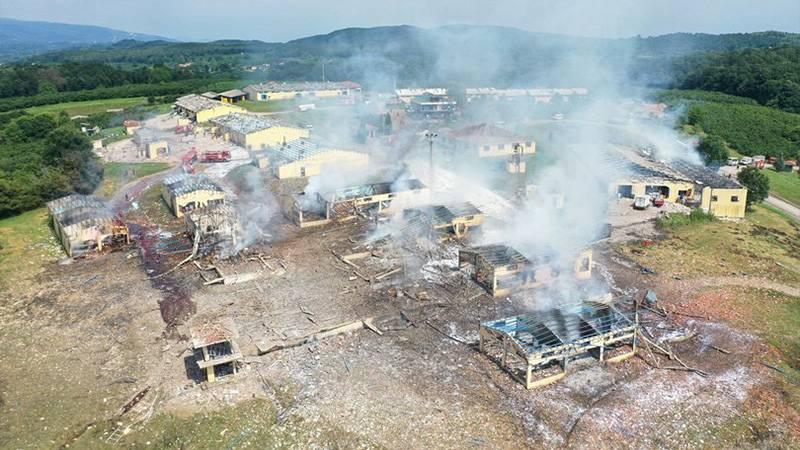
pixel 43 157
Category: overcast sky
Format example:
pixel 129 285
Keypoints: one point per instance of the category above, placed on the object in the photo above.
pixel 281 20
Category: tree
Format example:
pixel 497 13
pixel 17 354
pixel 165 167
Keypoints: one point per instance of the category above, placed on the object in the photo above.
pixel 757 184
pixel 713 149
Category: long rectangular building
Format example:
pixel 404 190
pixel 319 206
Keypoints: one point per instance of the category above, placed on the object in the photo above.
pixel 305 158
pixel 84 223
pixel 272 91
pixel 255 132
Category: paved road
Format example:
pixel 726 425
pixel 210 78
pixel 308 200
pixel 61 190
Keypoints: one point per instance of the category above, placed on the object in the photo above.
pixel 784 206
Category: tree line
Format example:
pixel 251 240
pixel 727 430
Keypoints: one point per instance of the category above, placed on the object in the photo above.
pixel 770 76
pixel 43 157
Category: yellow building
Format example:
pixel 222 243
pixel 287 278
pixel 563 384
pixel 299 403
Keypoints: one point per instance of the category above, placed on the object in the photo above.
pixel 455 219
pixel 687 183
pixel 184 193
pixel 271 91
pixel 502 270
pixel 255 132
pixel 303 158
pixel 486 141
pixel 200 109
pixel 84 223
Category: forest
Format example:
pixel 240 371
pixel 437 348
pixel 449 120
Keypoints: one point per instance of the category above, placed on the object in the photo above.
pixel 43 157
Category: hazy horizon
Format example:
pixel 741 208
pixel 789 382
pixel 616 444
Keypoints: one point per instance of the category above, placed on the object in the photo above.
pixel 237 19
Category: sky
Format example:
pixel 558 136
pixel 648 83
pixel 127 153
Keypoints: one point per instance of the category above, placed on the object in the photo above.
pixel 282 20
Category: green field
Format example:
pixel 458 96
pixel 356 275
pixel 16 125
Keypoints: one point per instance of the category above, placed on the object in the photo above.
pixel 784 184
pixel 117 174
pixel 89 106
pixel 26 243
pixel 272 106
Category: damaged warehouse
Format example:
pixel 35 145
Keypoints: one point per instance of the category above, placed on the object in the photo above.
pixel 348 203
pixel 305 158
pixel 216 227
pixel 184 193
pixel 84 223
pixel 254 132
pixel 215 349
pixel 528 346
pixel 442 221
pixel 502 270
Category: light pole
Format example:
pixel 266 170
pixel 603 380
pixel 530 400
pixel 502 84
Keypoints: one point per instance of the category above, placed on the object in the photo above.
pixel 430 136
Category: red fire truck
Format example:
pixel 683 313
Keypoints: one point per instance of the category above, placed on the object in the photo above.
pixel 218 156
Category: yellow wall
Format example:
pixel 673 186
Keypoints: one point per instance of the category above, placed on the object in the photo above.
pixel 272 136
pixel 199 198
pixel 640 187
pixel 313 165
pixel 720 202
pixel 285 95
pixel 217 111
pixel 152 148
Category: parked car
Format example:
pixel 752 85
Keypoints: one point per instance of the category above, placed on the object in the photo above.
pixel 733 161
pixel 641 202
pixel 745 161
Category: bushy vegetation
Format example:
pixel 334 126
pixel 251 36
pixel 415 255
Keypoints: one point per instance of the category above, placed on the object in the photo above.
pixel 771 76
pixel 173 89
pixel 713 149
pixel 43 157
pixel 676 97
pixel 749 129
pixel 678 220
pixel 757 184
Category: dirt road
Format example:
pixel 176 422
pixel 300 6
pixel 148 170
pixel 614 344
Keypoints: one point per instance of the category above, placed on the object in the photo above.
pixel 784 206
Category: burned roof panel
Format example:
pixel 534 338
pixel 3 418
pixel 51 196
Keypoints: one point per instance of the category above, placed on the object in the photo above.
pixel 499 254
pixel 185 183
pixel 79 209
pixel 565 325
pixel 195 103
pixel 705 176
pixel 244 123
pixel 209 333
pixel 366 190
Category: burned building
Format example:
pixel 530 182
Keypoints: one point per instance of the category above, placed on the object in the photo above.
pixel 184 193
pixel 502 270
pixel 536 348
pixel 214 228
pixel 306 158
pixel 84 223
pixel 442 221
pixel 215 348
pixel 345 204
pixel 486 141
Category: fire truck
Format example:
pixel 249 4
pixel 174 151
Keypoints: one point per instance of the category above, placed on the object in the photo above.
pixel 219 156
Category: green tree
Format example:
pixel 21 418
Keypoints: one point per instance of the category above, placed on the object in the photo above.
pixel 757 184
pixel 713 149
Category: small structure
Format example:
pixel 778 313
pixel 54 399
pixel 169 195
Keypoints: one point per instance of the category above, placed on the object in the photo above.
pixel 215 348
pixel 214 228
pixel 432 107
pixel 130 126
pixel 232 96
pixel 719 195
pixel 502 270
pixel 447 220
pixel 84 223
pixel 255 132
pixel 184 193
pixel 348 203
pixel 150 145
pixel 405 95
pixel 305 158
pixel 271 91
pixel 200 109
pixel 529 346
pixel 486 141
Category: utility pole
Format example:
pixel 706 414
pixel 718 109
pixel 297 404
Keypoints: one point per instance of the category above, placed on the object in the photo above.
pixel 323 71
pixel 430 136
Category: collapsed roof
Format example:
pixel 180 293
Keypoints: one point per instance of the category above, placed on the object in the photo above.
pixel 184 183
pixel 244 123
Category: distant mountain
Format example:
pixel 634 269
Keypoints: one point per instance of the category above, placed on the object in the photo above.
pixel 19 38
pixel 466 54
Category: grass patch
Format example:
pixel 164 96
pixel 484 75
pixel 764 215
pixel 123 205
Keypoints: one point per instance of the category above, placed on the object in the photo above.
pixel 764 244
pixel 117 174
pixel 270 106
pixel 88 107
pixel 26 244
pixel 784 184
pixel 113 134
pixel 674 221
pixel 251 424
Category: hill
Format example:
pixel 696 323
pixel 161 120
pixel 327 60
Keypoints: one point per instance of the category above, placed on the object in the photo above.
pixel 19 38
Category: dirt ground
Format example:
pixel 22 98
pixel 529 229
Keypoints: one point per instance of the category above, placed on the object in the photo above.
pixel 92 334
pixel 87 336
